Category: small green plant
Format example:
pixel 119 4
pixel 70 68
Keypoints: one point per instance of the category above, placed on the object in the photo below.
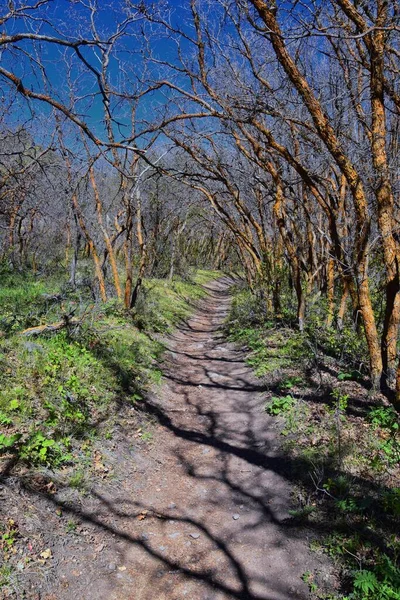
pixel 9 535
pixel 302 513
pixel 8 442
pixel 280 404
pixel 391 450
pixel 347 505
pixel 382 582
pixel 39 449
pixel 5 574
pixel 71 527
pixel 341 401
pixel 146 436
pixel 5 420
pixel 77 480
pixel 308 578
pixel 289 382
pixel 391 501
pixel 338 486
pixel 349 376
pixel 385 417
pixel 366 583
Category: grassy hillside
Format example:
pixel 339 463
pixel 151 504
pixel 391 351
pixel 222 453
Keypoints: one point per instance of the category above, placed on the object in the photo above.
pixel 60 389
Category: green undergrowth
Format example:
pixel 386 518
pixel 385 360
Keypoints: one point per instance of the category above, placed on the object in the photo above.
pixel 342 446
pixel 60 389
pixel 163 304
pixel 270 347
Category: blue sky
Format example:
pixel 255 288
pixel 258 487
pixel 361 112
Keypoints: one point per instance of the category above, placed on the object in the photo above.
pixel 70 19
pixel 63 18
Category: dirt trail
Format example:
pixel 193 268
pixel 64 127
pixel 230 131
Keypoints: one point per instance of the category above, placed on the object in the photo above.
pixel 203 514
pixel 217 503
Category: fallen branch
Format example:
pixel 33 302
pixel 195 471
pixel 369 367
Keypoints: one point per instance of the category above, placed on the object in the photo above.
pixel 66 322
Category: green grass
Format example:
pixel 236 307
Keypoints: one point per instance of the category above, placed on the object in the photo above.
pixel 202 277
pixel 270 349
pixel 56 389
pixel 163 304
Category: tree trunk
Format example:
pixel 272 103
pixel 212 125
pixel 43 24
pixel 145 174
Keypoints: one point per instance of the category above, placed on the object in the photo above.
pixel 330 291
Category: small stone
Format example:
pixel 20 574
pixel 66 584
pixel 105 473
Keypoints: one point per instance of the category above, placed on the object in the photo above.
pixel 235 517
pixel 174 535
pixel 162 548
pixel 172 506
pixel 195 536
pixel 32 347
pixel 112 567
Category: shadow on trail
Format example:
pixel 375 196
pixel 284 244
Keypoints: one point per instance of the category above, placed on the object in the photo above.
pixel 234 431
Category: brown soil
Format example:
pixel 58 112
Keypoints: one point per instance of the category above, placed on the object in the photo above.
pixel 198 513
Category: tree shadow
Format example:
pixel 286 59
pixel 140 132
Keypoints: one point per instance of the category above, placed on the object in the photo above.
pixel 245 468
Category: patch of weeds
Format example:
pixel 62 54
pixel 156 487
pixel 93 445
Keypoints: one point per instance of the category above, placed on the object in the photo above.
pixel 5 575
pixel 146 436
pixel 287 383
pixel 379 582
pixel 280 404
pixel 344 344
pixel 301 514
pixel 77 480
pixel 14 401
pixel 162 304
pixel 262 356
pixel 9 442
pixel 4 420
pixel 71 527
pixel 341 402
pixel 384 416
pixel 22 300
pixel 308 578
pixel 391 502
pixel 372 574
pixel 352 375
pixel 270 349
pixel 386 421
pixel 9 534
pixel 42 450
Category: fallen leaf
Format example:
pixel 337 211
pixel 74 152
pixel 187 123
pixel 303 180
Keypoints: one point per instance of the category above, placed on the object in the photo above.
pixel 98 465
pixel 46 554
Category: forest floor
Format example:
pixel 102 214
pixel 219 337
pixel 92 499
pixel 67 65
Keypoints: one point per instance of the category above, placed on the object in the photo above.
pixel 193 504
